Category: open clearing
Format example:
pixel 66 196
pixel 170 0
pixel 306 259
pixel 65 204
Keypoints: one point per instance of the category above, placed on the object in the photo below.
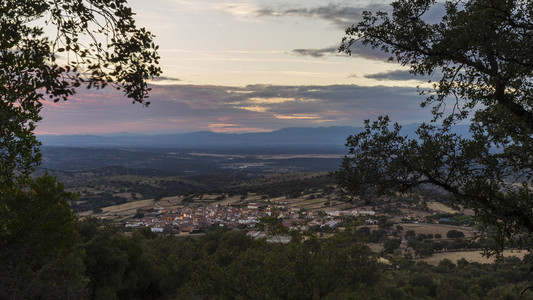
pixel 439 207
pixel 471 256
pixel 170 201
pixel 128 208
pixel 427 228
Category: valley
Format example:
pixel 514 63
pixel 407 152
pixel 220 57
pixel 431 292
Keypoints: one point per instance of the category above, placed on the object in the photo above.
pixel 182 192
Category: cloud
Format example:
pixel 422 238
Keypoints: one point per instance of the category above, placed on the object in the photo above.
pixel 356 50
pixel 359 50
pixel 315 52
pixel 400 75
pixel 271 100
pixel 391 75
pixel 298 116
pixel 342 16
pixel 234 128
pixel 164 79
pixel 186 108
pixel 240 10
pixel 253 108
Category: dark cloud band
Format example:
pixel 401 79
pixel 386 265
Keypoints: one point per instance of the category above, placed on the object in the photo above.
pixel 341 16
pixel 181 108
pixel 402 75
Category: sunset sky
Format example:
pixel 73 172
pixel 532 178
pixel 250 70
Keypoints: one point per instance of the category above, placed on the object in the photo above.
pixel 249 66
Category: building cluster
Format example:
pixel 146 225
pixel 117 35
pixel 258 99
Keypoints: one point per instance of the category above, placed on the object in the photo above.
pixel 190 220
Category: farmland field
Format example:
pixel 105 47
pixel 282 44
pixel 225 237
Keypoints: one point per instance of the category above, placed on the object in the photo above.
pixel 471 256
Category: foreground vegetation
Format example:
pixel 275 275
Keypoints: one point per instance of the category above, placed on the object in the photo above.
pixel 224 264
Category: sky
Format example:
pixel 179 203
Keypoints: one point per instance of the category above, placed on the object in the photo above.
pixel 249 66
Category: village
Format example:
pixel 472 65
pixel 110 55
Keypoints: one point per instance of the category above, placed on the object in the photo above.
pixel 190 220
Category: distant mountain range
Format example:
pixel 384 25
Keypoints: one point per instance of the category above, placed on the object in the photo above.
pixel 322 138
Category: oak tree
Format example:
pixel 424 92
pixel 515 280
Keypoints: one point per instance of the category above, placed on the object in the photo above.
pixel 93 44
pixel 481 50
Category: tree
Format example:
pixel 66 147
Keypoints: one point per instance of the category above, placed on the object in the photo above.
pixel 96 44
pixel 37 235
pixel 481 51
pixel 410 233
pixel 390 245
pixel 307 267
pixel 455 234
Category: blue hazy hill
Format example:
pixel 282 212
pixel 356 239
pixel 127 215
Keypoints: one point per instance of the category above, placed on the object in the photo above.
pixel 320 138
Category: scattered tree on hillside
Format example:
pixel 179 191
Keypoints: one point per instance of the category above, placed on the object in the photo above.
pixel 481 50
pixel 455 234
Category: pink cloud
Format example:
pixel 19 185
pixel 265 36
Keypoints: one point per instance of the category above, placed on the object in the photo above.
pixel 235 128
